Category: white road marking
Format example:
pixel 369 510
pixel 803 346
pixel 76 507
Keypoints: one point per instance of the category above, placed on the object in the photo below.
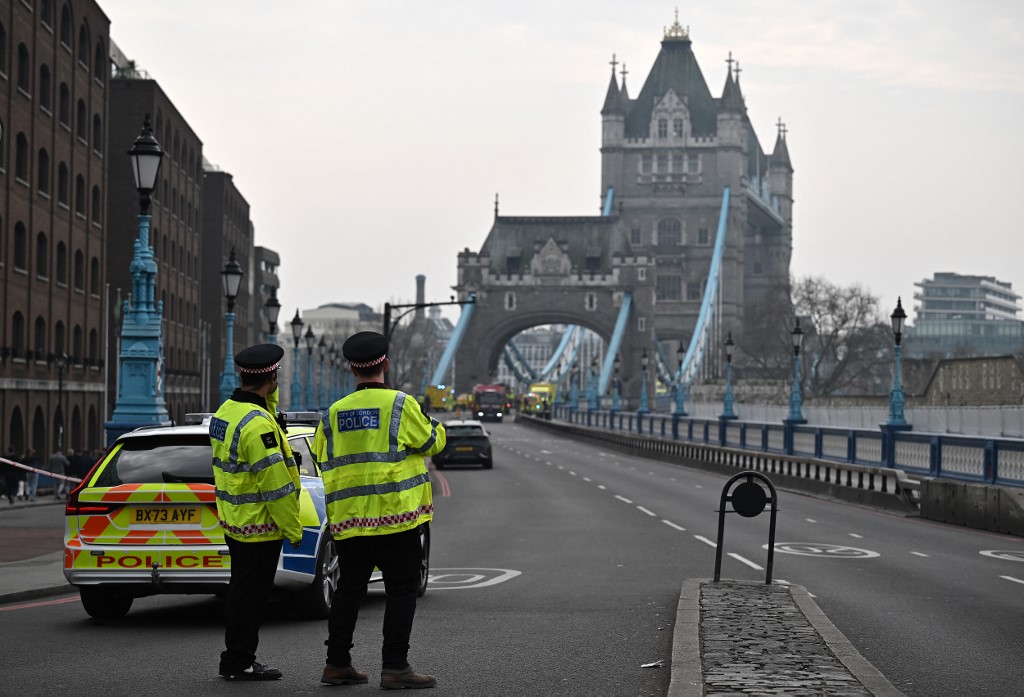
pixel 644 510
pixel 919 554
pixel 623 499
pixel 749 563
pixel 698 486
pixel 572 473
pixel 548 464
pixel 673 525
pixel 705 540
pixel 560 467
pixel 782 582
pixel 545 452
pixel 810 520
pixel 587 479
pixel 1011 578
pixel 859 537
pixel 602 487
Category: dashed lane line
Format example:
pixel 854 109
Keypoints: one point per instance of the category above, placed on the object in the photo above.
pixel 810 520
pixel 623 499
pixel 746 561
pixel 859 537
pixel 673 525
pixel 644 510
pixel 919 554
pixel 602 487
pixel 1011 578
pixel 705 540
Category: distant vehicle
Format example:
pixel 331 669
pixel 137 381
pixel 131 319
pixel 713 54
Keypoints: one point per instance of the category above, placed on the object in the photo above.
pixel 490 402
pixel 539 398
pixel 468 443
pixel 144 522
pixel 439 398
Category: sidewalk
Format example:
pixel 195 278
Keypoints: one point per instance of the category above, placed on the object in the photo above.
pixel 36 577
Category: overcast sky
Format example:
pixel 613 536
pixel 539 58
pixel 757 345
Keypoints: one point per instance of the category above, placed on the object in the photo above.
pixel 370 136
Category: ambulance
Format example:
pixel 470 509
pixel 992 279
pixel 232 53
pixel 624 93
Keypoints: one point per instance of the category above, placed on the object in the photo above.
pixel 144 522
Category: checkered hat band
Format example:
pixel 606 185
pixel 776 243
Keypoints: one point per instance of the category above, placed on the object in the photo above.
pixel 260 370
pixel 367 364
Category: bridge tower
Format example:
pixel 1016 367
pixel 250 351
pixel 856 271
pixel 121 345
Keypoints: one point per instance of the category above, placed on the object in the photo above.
pixel 666 157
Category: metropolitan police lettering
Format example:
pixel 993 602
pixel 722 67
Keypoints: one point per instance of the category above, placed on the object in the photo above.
pixel 218 429
pixel 358 419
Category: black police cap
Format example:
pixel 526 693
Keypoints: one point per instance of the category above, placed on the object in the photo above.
pixel 365 349
pixel 262 358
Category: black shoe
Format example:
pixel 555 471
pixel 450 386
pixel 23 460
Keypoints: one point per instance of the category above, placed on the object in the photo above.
pixel 257 671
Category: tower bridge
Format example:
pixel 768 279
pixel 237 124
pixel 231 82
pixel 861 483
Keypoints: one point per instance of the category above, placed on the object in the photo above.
pixel 672 263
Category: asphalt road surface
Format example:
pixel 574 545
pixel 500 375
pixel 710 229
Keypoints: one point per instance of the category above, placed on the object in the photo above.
pixel 558 573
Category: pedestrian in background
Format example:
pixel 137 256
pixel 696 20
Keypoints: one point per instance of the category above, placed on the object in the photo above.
pixel 257 488
pixel 59 466
pixel 31 459
pixel 370 446
pixel 10 475
pixel 80 463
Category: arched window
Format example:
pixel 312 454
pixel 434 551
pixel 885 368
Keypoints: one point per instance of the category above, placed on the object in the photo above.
pixel 97 207
pixel 93 429
pixel 83 45
pixel 64 105
pixel 170 308
pixel 80 121
pixel 97 133
pixel 46 13
pixel 93 346
pixel 670 232
pixel 99 63
pixel 20 247
pixel 62 263
pixel 80 195
pixel 65 25
pixel 62 183
pixel 79 270
pixel 24 69
pixel 39 338
pixel 45 88
pixel 94 276
pixel 18 334
pixel 42 257
pixel 21 157
pixel 76 344
pixel 43 172
pixel 58 337
pixel 3 49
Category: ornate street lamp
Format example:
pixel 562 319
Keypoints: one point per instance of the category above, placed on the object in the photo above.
pixel 310 343
pixel 616 384
pixel 896 399
pixel 795 400
pixel 680 408
pixel 140 399
pixel 231 274
pixel 62 363
pixel 321 389
pixel 332 372
pixel 574 390
pixel 592 385
pixel 644 406
pixel 273 308
pixel 727 400
pixel 296 396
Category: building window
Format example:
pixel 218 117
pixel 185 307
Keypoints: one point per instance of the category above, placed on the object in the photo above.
pixel 79 270
pixel 39 340
pixel 677 128
pixel 97 133
pixel 24 69
pixel 703 236
pixel 668 287
pixel 80 122
pixel 42 258
pixel 94 276
pixel 663 128
pixel 21 157
pixel 58 338
pixel 18 334
pixel 512 265
pixel 758 268
pixel 80 195
pixel 99 63
pixel 641 324
pixel 43 172
pixel 645 164
pixel 590 303
pixel 670 233
pixel 62 184
pixel 97 207
pixel 3 50
pixel 46 13
pixel 62 264
pixel 660 163
pixel 693 290
pixel 642 274
pixel 76 345
pixel 693 163
pixel 93 346
pixel 64 105
pixel 510 300
pixel 20 247
pixel 45 88
pixel 83 45
pixel 635 236
pixel 65 26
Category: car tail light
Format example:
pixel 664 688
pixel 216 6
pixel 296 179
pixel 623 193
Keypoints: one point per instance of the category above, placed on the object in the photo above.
pixel 73 507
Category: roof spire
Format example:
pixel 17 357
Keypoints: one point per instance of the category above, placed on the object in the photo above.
pixel 676 31
pixel 624 72
pixel 737 70
pixel 730 61
pixel 613 63
pixel 613 98
pixel 495 204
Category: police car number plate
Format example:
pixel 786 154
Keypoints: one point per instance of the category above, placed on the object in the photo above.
pixel 464 448
pixel 165 515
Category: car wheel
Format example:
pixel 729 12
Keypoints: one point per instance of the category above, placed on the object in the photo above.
pixel 424 559
pixel 488 463
pixel 105 605
pixel 315 601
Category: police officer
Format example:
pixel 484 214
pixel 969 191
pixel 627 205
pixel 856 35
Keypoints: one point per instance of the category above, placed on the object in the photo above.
pixel 371 446
pixel 257 488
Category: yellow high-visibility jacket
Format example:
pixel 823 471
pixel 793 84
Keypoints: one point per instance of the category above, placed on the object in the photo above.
pixel 370 446
pixel 255 475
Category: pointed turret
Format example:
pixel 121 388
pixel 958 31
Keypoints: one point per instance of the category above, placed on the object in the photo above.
pixel 612 100
pixel 731 100
pixel 613 113
pixel 780 155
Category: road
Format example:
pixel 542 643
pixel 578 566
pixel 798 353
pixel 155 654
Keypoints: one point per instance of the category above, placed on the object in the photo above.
pixel 558 573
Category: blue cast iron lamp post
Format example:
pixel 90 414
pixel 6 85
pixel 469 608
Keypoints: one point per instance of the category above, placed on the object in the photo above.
pixel 574 390
pixel 296 396
pixel 795 400
pixel 310 343
pixel 232 277
pixel 680 406
pixel 616 386
pixel 322 387
pixel 332 365
pixel 140 390
pixel 727 399
pixel 592 385
pixel 644 406
pixel 273 308
pixel 896 398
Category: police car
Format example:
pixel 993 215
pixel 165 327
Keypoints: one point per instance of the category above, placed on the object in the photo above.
pixel 144 522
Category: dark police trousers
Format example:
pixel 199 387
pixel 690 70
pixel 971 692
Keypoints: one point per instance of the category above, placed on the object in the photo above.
pixel 253 565
pixel 398 557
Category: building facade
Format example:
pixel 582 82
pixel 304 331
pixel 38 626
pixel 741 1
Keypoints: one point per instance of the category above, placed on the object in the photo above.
pixel 54 84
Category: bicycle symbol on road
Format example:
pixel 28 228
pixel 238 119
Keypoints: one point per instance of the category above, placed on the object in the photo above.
pixel 821 549
pixel 1008 555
